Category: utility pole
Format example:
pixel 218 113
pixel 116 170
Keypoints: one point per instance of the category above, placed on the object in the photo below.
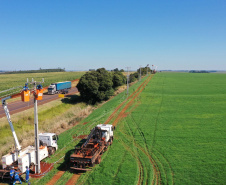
pixel 127 81
pixel 37 157
pixel 147 69
pixel 37 165
pixel 140 73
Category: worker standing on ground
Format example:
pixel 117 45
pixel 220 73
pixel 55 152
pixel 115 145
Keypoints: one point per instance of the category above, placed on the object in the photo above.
pixel 12 174
pixel 16 178
pixel 27 173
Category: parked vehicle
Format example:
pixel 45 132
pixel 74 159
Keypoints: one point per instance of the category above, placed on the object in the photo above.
pixel 95 145
pixel 59 87
pixel 20 158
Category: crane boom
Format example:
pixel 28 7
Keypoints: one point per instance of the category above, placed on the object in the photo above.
pixel 4 104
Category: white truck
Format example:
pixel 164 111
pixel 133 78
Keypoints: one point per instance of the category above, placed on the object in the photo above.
pixel 90 152
pixel 26 156
pixel 21 158
pixel 59 87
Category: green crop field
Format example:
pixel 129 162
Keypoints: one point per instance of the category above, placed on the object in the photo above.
pixel 8 81
pixel 179 121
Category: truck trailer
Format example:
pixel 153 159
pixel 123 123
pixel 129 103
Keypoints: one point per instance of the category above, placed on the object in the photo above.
pixel 90 152
pixel 59 87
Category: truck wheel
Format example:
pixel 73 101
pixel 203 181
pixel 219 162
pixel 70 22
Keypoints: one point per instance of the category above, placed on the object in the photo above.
pixel 98 160
pixel 32 167
pixel 51 150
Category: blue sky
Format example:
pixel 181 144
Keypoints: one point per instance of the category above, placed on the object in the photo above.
pixel 90 34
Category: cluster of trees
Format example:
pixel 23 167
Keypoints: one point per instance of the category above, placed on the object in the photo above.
pixel 143 71
pixel 99 85
pixel 37 71
pixel 117 70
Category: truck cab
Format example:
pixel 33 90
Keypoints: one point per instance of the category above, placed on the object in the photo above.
pixel 106 132
pixel 49 140
pixel 52 89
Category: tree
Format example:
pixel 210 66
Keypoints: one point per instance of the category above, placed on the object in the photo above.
pixel 143 70
pixel 133 77
pixel 116 69
pixel 96 86
pixel 118 79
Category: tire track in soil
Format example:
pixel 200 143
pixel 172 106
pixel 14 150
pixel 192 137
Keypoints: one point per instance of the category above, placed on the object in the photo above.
pixel 55 178
pixel 151 161
pixel 140 166
pixel 135 155
pixel 133 97
pixel 169 166
pixel 120 116
pixel 75 177
pixel 157 175
pixel 114 114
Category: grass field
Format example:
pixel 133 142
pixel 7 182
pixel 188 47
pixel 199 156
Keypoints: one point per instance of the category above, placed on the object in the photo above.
pixel 8 81
pixel 179 119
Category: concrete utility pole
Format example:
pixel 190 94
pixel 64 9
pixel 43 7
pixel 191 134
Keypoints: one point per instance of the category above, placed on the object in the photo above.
pixel 127 81
pixel 37 165
pixel 140 74
pixel 147 69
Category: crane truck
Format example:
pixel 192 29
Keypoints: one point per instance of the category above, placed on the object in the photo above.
pixel 90 152
pixel 21 158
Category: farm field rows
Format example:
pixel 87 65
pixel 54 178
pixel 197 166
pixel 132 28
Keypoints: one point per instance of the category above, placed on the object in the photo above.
pixel 178 121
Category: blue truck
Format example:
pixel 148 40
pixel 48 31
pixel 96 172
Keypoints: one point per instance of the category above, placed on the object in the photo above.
pixel 59 87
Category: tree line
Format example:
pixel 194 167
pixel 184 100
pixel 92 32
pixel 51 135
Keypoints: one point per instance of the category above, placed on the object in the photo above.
pixel 36 71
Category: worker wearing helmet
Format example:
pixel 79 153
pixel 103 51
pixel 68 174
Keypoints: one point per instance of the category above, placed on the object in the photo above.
pixel 27 173
pixel 39 86
pixel 16 178
pixel 12 173
pixel 26 87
